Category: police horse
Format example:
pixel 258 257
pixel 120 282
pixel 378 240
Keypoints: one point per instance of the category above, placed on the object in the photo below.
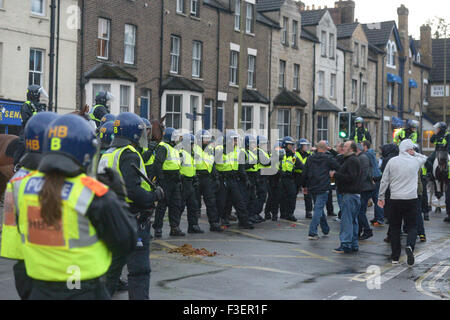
pixel 440 176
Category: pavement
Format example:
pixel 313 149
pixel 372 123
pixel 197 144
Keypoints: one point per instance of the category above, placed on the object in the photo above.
pixel 276 261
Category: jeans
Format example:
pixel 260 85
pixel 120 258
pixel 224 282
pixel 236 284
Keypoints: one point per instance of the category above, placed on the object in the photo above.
pixel 402 210
pixel 339 200
pixel 351 204
pixel 362 217
pixel 379 214
pixel 139 267
pixel 319 217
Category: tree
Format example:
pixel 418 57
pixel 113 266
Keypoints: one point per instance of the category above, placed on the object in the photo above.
pixel 441 31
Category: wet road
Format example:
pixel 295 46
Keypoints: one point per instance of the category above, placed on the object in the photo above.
pixel 277 261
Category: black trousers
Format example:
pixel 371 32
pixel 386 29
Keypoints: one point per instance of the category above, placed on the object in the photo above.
pixel 261 194
pixel 172 191
pixel 89 290
pixel 114 272
pixel 402 210
pixel 189 198
pixel 274 190
pixel 22 281
pixel 330 208
pixel 425 208
pixel 207 190
pixel 289 192
pixel 251 196
pixel 230 195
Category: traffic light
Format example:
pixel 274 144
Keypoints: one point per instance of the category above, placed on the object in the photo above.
pixel 345 124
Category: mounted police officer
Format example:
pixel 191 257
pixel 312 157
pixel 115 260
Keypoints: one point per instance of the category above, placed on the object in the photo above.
pixel 130 137
pixel 10 244
pixel 409 133
pixel 166 169
pixel 101 107
pixel 208 181
pixel 68 222
pixel 361 133
pixel 288 188
pixel 303 152
pixel 30 107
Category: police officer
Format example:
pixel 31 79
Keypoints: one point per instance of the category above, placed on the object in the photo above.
pixel 264 163
pixel 288 188
pixel 124 157
pixel 231 172
pixel 30 107
pixel 11 243
pixel 100 108
pixel 274 191
pixel 68 223
pixel 189 182
pixel 303 152
pixel 208 181
pixel 361 133
pixel 252 170
pixel 107 117
pixel 166 168
pixel 409 133
pixel 106 135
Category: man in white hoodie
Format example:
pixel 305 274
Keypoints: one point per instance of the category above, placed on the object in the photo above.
pixel 400 175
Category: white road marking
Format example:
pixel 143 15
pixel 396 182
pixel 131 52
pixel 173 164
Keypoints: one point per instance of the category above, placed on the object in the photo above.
pixel 348 298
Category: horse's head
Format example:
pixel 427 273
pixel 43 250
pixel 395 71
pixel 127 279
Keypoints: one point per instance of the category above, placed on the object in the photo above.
pixel 157 128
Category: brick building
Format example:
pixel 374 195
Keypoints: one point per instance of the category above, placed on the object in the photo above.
pixel 118 51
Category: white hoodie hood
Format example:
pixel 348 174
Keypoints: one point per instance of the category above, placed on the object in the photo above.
pixel 405 146
pixel 401 174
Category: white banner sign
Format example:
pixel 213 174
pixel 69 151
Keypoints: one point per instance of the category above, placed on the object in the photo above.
pixel 438 91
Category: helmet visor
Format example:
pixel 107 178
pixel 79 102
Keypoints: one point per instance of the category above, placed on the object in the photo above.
pixel 143 140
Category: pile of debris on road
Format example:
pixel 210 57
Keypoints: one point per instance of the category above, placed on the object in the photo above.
pixel 188 250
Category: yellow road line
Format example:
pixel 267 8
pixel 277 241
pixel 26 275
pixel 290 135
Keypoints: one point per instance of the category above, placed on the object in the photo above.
pixel 432 284
pixel 165 244
pixel 246 234
pixel 315 256
pixel 419 281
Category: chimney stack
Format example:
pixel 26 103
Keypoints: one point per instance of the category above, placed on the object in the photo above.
pixel 347 10
pixel 403 13
pixel 426 45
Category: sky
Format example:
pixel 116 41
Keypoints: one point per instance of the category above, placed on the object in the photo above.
pixel 420 11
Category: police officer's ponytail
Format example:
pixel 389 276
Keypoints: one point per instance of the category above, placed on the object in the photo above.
pixel 50 197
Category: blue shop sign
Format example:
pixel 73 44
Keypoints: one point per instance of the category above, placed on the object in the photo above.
pixel 10 113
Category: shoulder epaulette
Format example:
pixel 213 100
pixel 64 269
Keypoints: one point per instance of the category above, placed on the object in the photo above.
pixel 95 186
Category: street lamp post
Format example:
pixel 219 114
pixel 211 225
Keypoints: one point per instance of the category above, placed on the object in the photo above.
pixel 51 55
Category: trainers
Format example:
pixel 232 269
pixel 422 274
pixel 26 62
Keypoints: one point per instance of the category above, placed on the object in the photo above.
pixel 176 232
pixel 308 215
pixel 337 219
pixel 339 250
pixel 332 214
pixel 215 227
pixel 410 254
pixel 232 217
pixel 378 224
pixel 422 238
pixel 394 261
pixel 225 222
pixel 366 236
pixel 316 237
pixel 426 217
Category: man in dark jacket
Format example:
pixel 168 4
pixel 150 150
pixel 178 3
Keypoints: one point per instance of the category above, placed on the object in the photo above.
pixel 316 180
pixel 348 181
pixel 367 187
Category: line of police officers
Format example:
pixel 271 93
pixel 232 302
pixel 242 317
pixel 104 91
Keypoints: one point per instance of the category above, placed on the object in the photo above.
pixel 82 238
